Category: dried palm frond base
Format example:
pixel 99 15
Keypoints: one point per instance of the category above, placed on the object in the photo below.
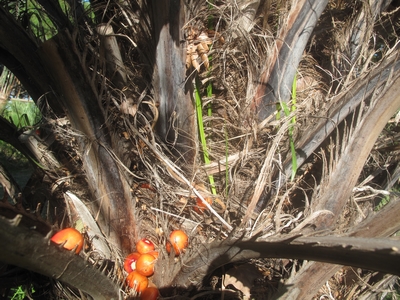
pixel 198 46
pixel 244 158
pixel 349 283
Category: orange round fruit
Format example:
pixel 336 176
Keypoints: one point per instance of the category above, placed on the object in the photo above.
pixel 200 206
pixel 154 253
pixel 144 246
pixel 179 240
pixel 130 261
pixel 145 264
pixel 137 281
pixel 70 238
pixel 151 293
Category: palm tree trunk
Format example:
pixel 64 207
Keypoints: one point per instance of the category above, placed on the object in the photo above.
pixel 172 90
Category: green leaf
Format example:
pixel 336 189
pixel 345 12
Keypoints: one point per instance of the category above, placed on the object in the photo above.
pixel 199 113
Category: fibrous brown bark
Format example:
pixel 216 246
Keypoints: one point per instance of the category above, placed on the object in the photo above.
pixel 70 91
pixel 345 174
pixel 368 253
pixel 355 152
pixel 277 78
pixel 172 90
pixel 82 105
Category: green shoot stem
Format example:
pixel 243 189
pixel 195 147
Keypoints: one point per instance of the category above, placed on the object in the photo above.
pixel 282 106
pixel 199 112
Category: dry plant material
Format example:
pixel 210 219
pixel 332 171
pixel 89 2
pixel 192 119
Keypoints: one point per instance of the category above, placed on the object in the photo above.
pixel 199 45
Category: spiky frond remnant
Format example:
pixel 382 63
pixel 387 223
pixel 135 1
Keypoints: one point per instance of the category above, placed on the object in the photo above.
pixel 141 60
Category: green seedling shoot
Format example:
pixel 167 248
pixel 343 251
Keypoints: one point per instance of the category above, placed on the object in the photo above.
pixel 287 111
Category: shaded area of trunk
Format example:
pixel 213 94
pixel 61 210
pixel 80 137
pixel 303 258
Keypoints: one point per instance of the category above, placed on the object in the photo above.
pixel 30 250
pixel 20 57
pixel 69 90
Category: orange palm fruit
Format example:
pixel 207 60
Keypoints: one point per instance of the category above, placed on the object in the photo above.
pixel 137 281
pixel 70 238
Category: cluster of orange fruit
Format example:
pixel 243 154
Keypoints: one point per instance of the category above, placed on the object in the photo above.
pixel 140 264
